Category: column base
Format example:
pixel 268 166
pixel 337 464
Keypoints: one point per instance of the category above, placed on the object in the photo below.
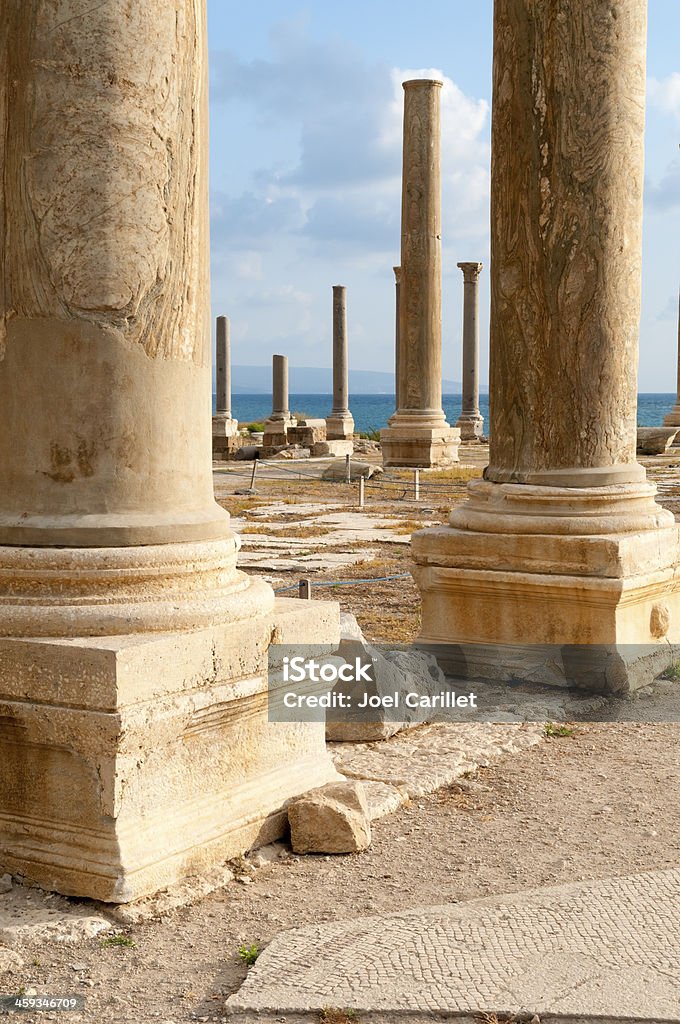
pixel 410 442
pixel 673 420
pixel 130 762
pixel 340 427
pixel 471 427
pixel 553 585
pixel 276 430
pixel 226 439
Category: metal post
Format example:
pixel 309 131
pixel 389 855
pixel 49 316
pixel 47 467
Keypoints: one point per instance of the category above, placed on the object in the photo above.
pixel 305 591
pixel 252 478
pixel 362 492
pixel 416 484
pixel 348 469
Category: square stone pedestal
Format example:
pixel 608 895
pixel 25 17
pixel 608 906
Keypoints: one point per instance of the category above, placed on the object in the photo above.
pixel 598 612
pixel 226 439
pixel 423 447
pixel 130 762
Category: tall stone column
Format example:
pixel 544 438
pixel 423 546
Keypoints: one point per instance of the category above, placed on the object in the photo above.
pixel 560 560
pixel 224 427
pixel 470 422
pixel 397 352
pixel 340 423
pixel 127 754
pixel 280 420
pixel 673 417
pixel 418 434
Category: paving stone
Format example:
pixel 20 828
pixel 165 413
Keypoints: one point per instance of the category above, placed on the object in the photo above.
pixel 604 949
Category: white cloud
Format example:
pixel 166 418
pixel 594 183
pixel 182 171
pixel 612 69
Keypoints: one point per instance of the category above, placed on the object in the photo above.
pixel 665 93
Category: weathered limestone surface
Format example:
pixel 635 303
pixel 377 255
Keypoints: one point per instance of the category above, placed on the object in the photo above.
pixel 655 440
pixel 470 422
pixel 134 741
pixel 340 423
pixel 418 434
pixel 225 435
pixel 561 553
pixel 673 417
pixel 331 819
pixel 568 134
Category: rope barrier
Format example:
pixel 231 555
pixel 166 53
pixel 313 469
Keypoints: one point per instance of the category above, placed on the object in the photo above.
pixel 345 583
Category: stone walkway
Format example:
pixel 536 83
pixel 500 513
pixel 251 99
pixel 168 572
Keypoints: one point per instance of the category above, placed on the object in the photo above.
pixel 606 949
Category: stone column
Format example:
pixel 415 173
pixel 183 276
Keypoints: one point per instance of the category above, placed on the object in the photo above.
pixel 397 354
pixel 418 434
pixel 225 435
pixel 673 417
pixel 561 549
pixel 340 423
pixel 125 755
pixel 280 420
pixel 470 422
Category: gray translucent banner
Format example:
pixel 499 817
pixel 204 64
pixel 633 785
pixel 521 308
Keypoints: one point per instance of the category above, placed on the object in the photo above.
pixel 374 683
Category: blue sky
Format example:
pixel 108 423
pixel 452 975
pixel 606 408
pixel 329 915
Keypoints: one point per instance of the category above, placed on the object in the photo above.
pixel 306 161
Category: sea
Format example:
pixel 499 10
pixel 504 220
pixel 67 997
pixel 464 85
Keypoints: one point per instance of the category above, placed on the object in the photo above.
pixel 371 412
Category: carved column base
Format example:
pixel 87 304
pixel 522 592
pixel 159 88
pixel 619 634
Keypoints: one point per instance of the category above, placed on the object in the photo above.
pixel 140 759
pixel 340 427
pixel 419 440
pixel 471 426
pixel 562 586
pixel 673 420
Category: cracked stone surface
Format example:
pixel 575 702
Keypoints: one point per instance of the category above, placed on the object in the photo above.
pixel 30 915
pixel 595 949
pixel 427 758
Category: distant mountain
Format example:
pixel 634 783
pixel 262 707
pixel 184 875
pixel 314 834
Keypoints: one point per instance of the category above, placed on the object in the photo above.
pixel 308 380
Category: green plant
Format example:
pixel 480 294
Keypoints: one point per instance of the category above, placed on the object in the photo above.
pixel 553 731
pixel 248 954
pixel 331 1015
pixel 119 940
pixel 372 434
pixel 255 428
pixel 672 672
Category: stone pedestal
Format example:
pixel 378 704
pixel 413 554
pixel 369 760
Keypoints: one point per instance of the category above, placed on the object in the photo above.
pixel 470 422
pixel 560 566
pixel 673 417
pixel 418 434
pixel 134 744
pixel 225 435
pixel 340 423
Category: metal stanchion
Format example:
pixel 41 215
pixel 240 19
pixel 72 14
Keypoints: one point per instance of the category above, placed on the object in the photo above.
pixel 305 591
pixel 416 485
pixel 362 492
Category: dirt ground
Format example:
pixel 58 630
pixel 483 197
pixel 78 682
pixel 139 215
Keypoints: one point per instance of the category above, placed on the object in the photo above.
pixel 602 802
pixel 599 803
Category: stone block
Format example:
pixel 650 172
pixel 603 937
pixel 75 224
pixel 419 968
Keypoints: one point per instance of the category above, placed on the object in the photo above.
pixel 138 760
pixel 331 819
pixel 655 440
pixel 338 471
pixel 333 448
pixel 406 446
pixel 307 432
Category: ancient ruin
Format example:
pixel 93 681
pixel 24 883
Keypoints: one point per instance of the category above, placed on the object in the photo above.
pixel 135 746
pixel 417 433
pixel 673 417
pixel 340 423
pixel 225 435
pixel 470 422
pixel 560 558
